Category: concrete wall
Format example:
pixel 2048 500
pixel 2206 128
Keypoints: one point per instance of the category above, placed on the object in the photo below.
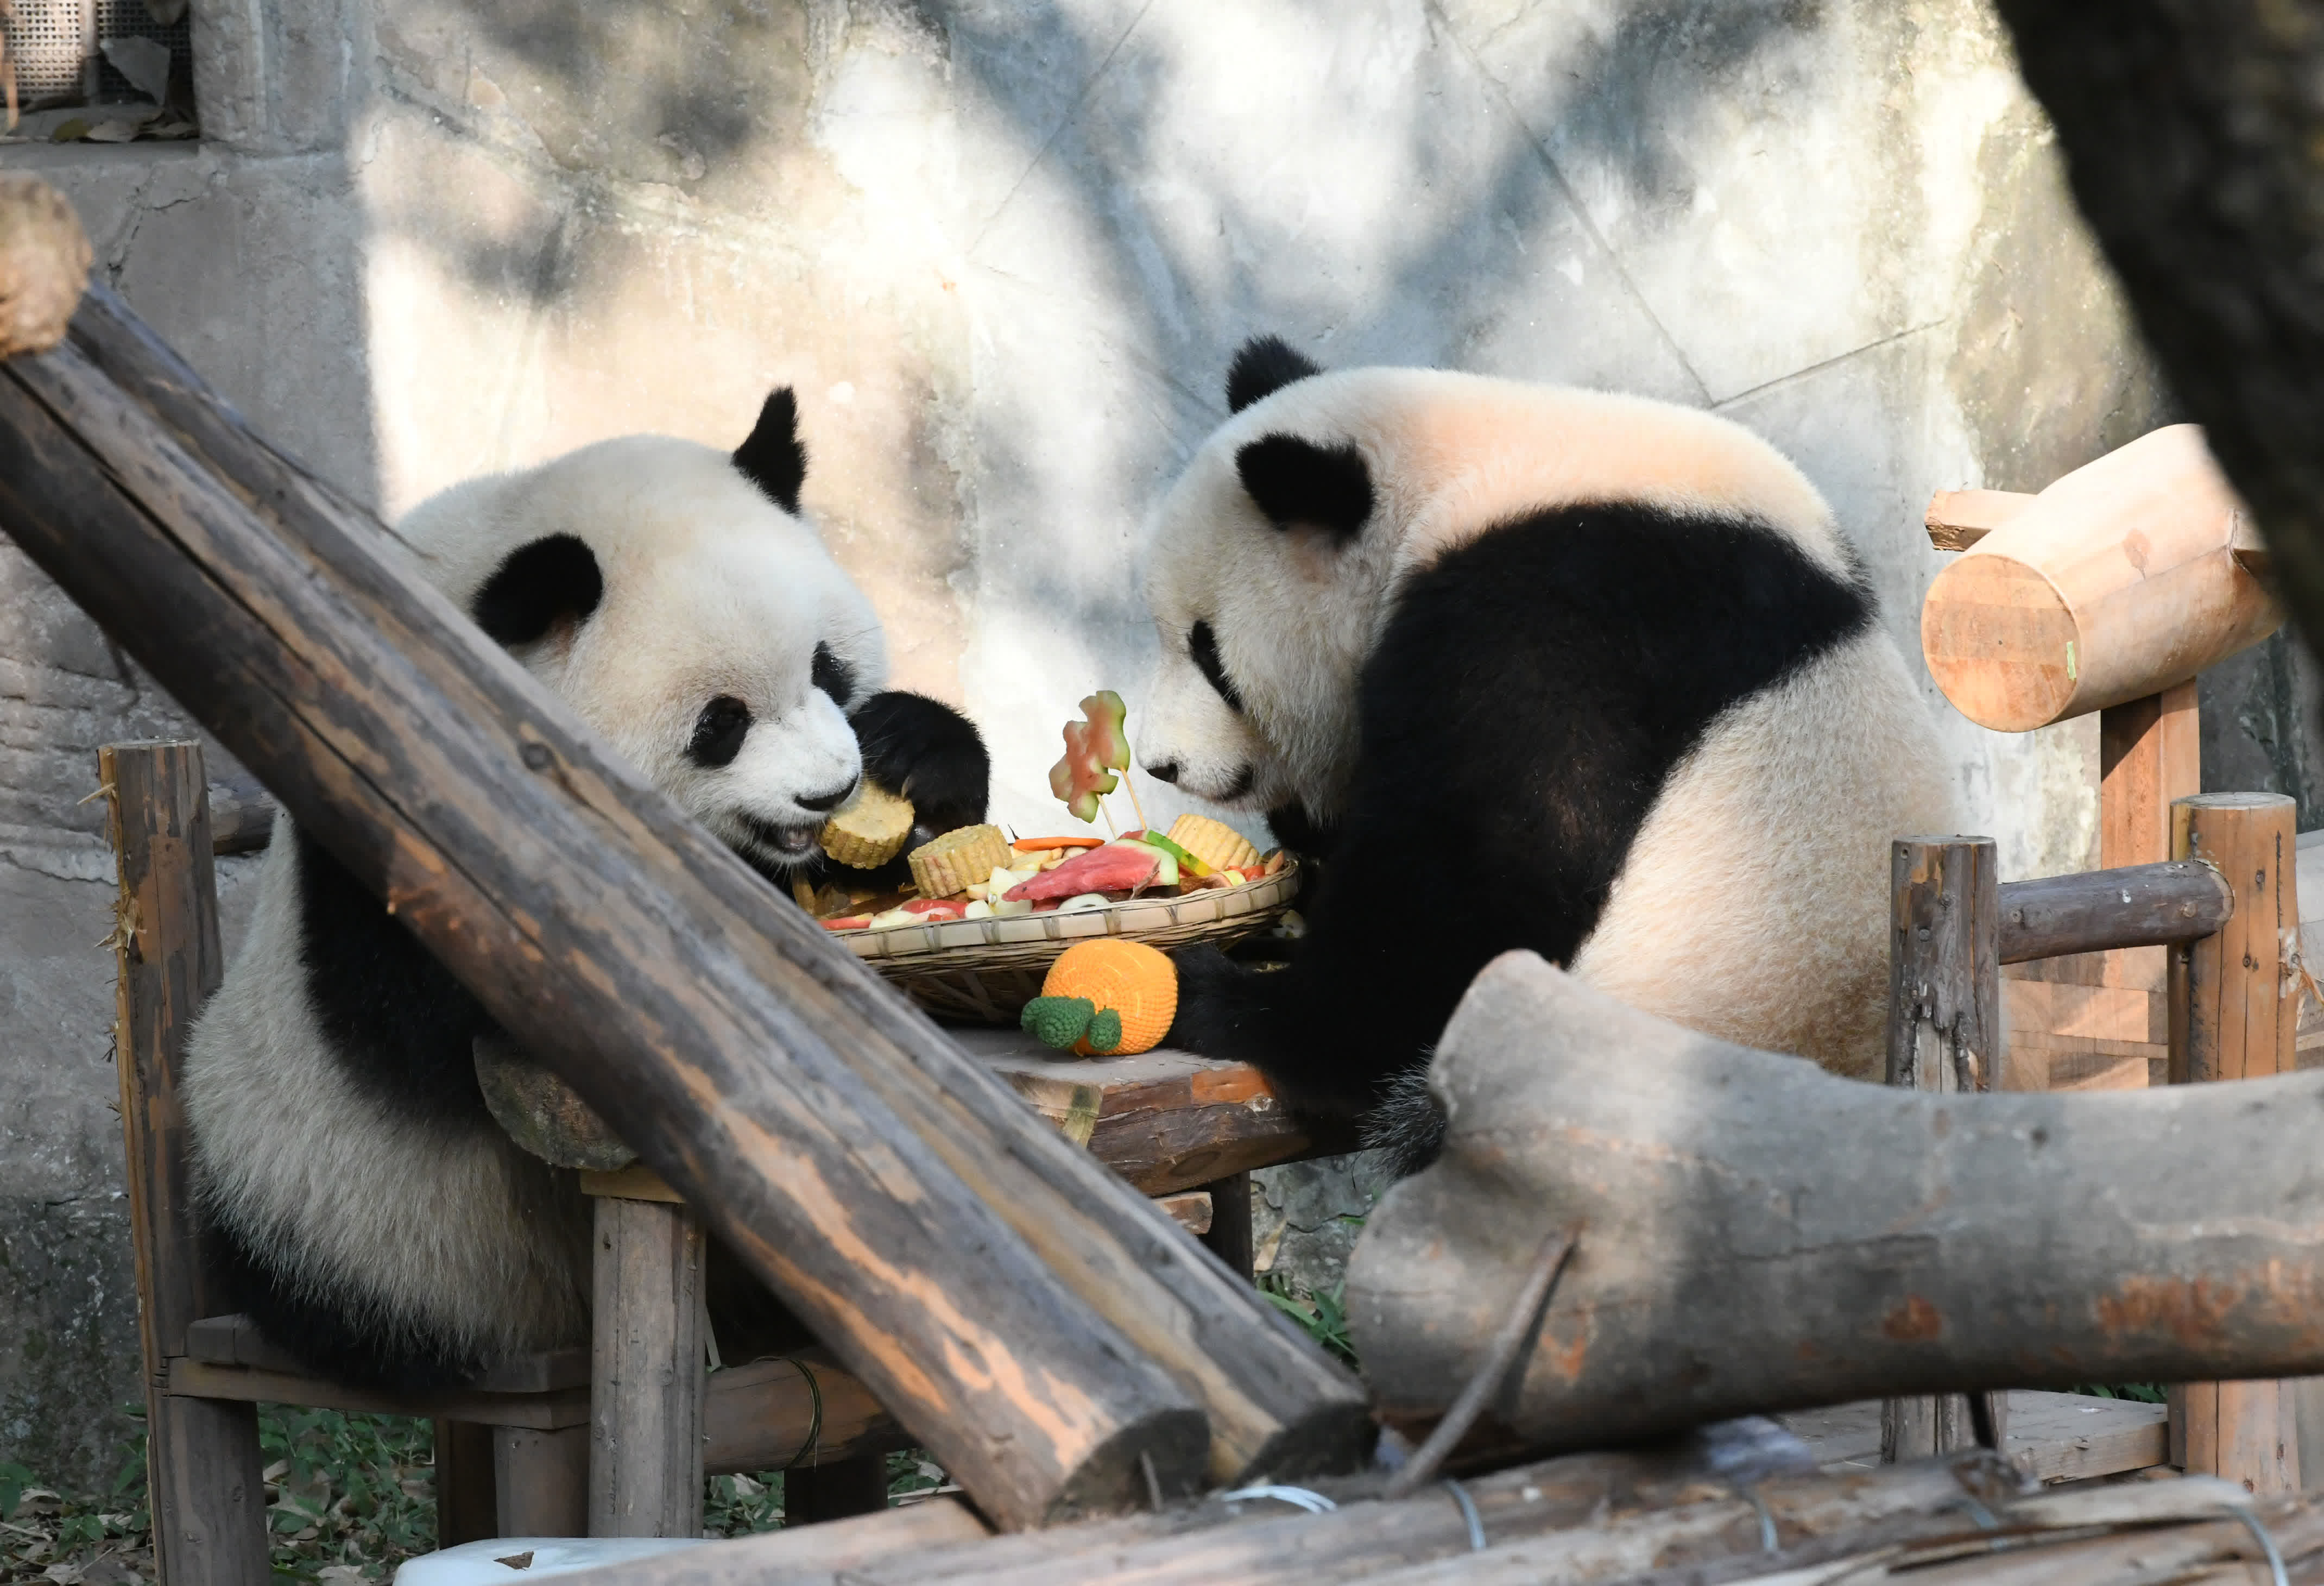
pixel 1004 249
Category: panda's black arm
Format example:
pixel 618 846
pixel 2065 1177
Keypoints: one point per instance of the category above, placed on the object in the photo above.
pixel 930 753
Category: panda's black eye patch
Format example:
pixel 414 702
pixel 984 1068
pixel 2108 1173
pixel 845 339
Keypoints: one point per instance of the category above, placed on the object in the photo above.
pixel 719 732
pixel 1203 644
pixel 832 676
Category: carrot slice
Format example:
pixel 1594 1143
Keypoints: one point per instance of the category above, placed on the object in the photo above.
pixel 1030 845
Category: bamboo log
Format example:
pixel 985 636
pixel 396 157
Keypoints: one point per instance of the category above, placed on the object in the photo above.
pixel 1763 1236
pixel 2118 581
pixel 2140 905
pixel 596 923
pixel 1944 1035
pixel 2235 1002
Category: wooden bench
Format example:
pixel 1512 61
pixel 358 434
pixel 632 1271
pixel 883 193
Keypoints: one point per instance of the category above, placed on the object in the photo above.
pixel 530 1448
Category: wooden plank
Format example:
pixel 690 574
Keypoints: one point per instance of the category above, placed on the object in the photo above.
pixel 468 1501
pixel 1167 1120
pixel 2138 907
pixel 1044 1332
pixel 821 1554
pixel 236 1340
pixel 2051 1437
pixel 645 1371
pixel 772 1413
pixel 202 1460
pixel 1944 1034
pixel 241 1385
pixel 1957 519
pixel 541 1482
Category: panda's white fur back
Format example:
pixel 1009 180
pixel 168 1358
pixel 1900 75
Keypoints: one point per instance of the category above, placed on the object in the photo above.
pixel 1739 915
pixel 453 1228
pixel 1752 900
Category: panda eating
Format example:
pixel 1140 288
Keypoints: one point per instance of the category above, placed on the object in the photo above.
pixel 1526 667
pixel 363 1206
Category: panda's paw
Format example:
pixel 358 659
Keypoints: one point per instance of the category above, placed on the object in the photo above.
pixel 1223 1008
pixel 930 753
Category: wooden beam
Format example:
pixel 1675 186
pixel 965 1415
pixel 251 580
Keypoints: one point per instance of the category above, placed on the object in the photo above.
pixel 2140 906
pixel 2235 1000
pixel 1944 1035
pixel 1001 1291
pixel 1763 1236
pixel 202 1460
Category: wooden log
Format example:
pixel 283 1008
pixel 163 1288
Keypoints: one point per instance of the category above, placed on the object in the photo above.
pixel 1957 519
pixel 2235 999
pixel 1763 1236
pixel 2138 907
pixel 2119 581
pixel 646 1376
pixel 202 1458
pixel 1944 1035
pixel 597 924
pixel 467 1491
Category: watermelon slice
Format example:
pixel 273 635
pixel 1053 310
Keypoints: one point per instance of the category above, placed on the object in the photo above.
pixel 1086 772
pixel 1118 867
pixel 1109 729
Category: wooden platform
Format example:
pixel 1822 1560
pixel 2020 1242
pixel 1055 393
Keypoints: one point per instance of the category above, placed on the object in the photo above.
pixel 2051 1437
pixel 1165 1120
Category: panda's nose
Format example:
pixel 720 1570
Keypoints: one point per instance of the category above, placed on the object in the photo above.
pixel 823 803
pixel 1167 770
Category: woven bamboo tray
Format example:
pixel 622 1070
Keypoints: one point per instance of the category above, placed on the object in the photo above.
pixel 987 971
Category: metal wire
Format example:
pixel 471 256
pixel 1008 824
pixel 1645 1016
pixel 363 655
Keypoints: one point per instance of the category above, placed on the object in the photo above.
pixel 1301 1497
pixel 1469 1512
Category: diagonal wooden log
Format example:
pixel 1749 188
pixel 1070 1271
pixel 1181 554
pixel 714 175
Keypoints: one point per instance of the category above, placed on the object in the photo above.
pixel 1764 1236
pixel 1041 1328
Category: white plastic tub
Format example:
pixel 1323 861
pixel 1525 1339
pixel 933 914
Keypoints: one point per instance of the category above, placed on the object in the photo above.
pixel 475 1564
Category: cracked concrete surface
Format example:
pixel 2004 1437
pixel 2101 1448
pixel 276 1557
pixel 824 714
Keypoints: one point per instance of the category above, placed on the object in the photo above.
pixel 1003 249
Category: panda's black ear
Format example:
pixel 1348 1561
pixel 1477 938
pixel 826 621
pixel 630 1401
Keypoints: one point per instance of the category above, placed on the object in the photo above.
pixel 1264 365
pixel 1295 481
pixel 774 458
pixel 536 587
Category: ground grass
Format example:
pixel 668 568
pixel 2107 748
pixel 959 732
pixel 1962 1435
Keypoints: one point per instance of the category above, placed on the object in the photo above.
pixel 348 1498
pixel 1324 1316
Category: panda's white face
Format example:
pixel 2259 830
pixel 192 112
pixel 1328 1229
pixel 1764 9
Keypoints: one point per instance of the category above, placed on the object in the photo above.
pixel 703 629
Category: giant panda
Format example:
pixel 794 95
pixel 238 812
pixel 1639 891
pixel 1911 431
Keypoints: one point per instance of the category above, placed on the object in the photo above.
pixel 1526 667
pixel 361 1203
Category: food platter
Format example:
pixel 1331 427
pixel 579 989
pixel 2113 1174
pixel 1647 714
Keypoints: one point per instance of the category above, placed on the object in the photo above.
pixel 987 969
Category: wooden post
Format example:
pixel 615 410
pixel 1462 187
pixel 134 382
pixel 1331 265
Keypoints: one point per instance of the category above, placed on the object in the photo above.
pixel 467 1507
pixel 2235 1007
pixel 202 1457
pixel 1229 1238
pixel 646 1370
pixel 1944 1028
pixel 1036 1324
pixel 540 1482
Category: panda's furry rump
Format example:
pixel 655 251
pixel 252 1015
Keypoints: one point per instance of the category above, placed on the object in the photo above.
pixel 1526 707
